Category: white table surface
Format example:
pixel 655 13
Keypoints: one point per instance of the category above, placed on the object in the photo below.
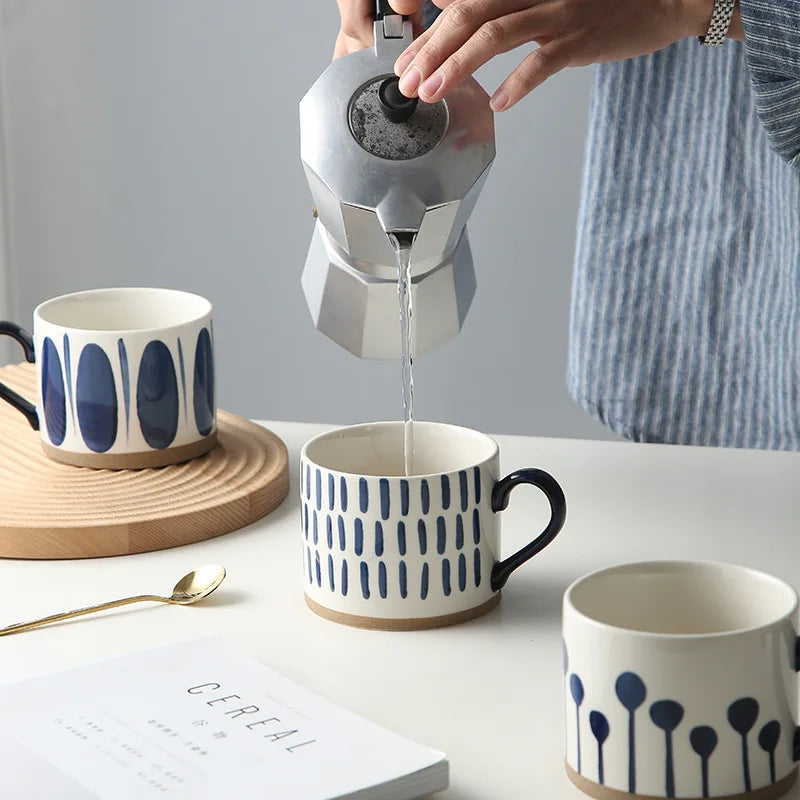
pixel 487 692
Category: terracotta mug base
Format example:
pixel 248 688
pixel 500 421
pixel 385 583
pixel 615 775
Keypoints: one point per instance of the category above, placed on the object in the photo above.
pixel 414 624
pixel 146 460
pixel 771 792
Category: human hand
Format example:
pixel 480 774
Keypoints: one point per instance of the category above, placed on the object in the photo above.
pixel 569 33
pixel 357 20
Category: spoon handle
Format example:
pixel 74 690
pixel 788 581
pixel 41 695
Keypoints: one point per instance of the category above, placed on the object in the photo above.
pixel 79 612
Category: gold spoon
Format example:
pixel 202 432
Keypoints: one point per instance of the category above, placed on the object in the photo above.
pixel 199 583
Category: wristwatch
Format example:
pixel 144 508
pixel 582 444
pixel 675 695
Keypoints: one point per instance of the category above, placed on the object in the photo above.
pixel 720 22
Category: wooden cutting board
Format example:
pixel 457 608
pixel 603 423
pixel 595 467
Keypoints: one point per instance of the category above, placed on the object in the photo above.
pixel 50 510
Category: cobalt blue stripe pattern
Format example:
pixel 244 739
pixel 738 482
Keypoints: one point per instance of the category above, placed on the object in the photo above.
pixel 157 402
pixel 671 299
pixel 96 399
pixel 53 397
pixel 183 379
pixel 385 561
pixel 68 371
pixel 125 376
pixel 384 484
pixel 203 395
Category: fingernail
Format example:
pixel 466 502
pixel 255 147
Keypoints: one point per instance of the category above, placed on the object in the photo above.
pixel 410 80
pixel 432 85
pixel 499 101
pixel 403 62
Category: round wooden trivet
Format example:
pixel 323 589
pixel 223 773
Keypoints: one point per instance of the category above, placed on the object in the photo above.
pixel 50 510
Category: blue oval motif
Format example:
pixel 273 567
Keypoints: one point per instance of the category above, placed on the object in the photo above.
pixel 204 409
pixel 157 396
pixel 96 398
pixel 53 397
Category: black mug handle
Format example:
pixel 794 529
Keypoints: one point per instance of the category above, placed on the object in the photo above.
pixel 22 405
pixel 558 515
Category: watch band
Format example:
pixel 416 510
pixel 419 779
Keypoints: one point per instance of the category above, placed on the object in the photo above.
pixel 720 22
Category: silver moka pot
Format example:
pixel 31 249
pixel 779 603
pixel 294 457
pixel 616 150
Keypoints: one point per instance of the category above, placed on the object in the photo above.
pixel 379 165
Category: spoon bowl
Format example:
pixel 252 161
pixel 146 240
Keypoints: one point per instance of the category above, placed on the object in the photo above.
pixel 199 583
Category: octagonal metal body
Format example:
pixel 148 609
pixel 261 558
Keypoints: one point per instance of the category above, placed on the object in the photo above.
pixel 360 198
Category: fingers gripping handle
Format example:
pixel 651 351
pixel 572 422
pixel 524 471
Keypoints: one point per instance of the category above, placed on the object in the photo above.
pixel 25 407
pixel 558 515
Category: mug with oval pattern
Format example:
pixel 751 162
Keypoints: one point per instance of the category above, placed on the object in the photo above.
pixel 125 377
pixel 382 549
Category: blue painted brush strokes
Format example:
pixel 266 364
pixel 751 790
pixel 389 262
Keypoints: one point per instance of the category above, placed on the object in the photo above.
pixel 331 491
pixel 365 580
pixel 319 489
pixel 330 573
pixel 96 399
pixel 459 532
pixel 423 592
pixel 477 476
pixel 445 492
pixel 425 496
pixel 423 537
pixel 359 542
pixel 157 396
pixel 204 408
pixel 462 483
pixel 403 577
pixel 68 371
pixel 446 577
pixel 316 528
pixel 53 398
pixel 343 494
pixel 384 485
pixel 476 527
pixel 308 482
pixel 382 579
pixel 344 579
pixel 476 563
pixel 341 533
pixel 401 537
pixel 404 497
pixel 183 380
pixel 329 531
pixel 378 538
pixel 305 520
pixel 125 374
pixel 462 572
pixel 363 495
pixel 441 535
pixel 318 568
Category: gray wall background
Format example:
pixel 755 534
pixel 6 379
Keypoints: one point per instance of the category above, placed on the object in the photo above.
pixel 155 142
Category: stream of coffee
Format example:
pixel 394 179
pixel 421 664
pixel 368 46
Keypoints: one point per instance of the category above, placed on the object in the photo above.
pixel 402 245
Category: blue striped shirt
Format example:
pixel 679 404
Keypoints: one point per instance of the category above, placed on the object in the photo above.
pixel 685 322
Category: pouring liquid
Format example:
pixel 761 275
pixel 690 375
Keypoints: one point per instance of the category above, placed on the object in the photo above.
pixel 402 244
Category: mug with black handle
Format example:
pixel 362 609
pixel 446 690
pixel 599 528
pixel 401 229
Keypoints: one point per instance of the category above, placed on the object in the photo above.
pixel 125 377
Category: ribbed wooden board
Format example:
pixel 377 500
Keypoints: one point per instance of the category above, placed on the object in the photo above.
pixel 50 510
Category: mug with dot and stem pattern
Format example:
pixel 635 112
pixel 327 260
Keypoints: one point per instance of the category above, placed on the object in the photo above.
pixel 125 377
pixel 386 550
pixel 681 681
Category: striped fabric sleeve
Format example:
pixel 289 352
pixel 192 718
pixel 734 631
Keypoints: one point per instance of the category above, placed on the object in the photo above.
pixel 772 43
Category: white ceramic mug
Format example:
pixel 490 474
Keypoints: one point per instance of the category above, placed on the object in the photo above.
pixel 125 377
pixel 386 550
pixel 681 681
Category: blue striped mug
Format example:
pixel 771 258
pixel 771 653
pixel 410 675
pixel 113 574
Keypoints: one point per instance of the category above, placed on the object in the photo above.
pixel 382 549
pixel 125 377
